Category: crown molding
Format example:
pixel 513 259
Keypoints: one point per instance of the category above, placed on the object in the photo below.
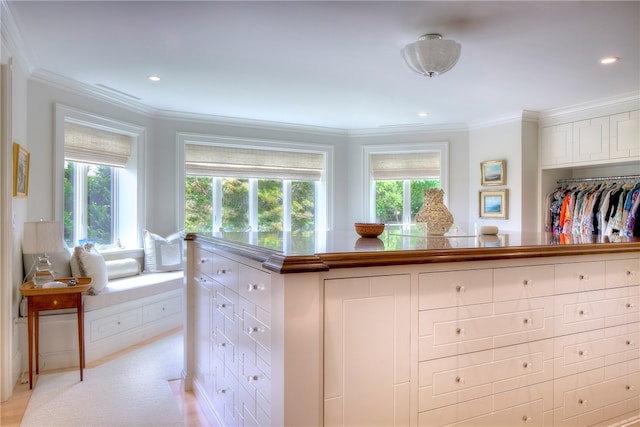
pixel 606 106
pixel 249 123
pixel 61 82
pixel 12 39
pixel 418 129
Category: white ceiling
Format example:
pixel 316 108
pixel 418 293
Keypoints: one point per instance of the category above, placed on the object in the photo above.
pixel 336 63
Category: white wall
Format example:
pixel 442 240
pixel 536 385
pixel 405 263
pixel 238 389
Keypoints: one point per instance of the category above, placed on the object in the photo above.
pixel 497 142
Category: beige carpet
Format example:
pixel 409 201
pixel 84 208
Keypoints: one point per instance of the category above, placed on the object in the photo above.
pixel 129 391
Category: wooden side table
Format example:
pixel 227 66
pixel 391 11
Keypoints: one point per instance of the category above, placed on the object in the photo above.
pixel 41 299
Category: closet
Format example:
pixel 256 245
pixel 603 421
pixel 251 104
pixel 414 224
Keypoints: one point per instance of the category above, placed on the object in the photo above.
pixel 604 206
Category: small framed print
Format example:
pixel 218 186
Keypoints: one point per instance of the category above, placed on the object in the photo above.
pixel 493 172
pixel 494 204
pixel 20 171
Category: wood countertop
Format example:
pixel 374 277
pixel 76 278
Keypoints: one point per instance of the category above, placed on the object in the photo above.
pixel 299 252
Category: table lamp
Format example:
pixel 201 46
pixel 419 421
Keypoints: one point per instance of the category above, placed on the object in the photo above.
pixel 41 238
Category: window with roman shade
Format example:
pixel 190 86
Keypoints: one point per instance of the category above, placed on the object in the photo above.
pixel 91 145
pixel 401 166
pixel 226 161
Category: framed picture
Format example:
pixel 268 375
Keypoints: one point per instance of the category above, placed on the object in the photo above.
pixel 20 171
pixel 494 204
pixel 493 172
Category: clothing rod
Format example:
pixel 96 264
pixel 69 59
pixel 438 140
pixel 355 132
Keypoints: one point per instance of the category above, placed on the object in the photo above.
pixel 602 178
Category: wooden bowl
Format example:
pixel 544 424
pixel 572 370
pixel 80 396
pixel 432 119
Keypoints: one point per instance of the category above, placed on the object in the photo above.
pixel 368 229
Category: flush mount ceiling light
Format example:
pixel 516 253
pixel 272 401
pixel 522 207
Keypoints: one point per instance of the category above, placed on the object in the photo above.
pixel 431 55
pixel 609 60
pixel 154 78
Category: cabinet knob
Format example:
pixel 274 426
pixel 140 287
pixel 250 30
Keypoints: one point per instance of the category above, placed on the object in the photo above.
pixel 630 273
pixel 629 342
pixel 221 391
pixel 222 305
pixel 253 329
pixel 202 260
pixel 527 282
pixel 224 270
pixel 527 365
pixel 460 331
pixel 583 313
pixel 460 380
pixel 222 344
pixel 526 418
pixel 582 353
pixel 629 387
pixel 254 287
pixel 252 378
pixel 527 321
pixel 583 277
pixel 631 305
pixel 582 402
pixel 460 289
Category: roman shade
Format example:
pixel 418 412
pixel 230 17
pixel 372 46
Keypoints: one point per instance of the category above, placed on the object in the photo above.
pixel 235 162
pixel 401 166
pixel 86 144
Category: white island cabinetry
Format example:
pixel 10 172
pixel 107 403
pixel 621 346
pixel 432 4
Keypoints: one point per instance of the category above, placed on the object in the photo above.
pixel 473 340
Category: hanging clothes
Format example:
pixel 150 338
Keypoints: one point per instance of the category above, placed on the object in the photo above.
pixel 594 206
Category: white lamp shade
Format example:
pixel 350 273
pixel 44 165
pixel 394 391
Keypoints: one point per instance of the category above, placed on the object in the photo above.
pixel 42 237
pixel 431 56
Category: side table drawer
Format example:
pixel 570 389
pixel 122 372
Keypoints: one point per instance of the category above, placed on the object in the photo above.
pixel 53 302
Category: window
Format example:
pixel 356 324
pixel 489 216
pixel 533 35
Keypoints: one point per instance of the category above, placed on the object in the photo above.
pixel 100 190
pixel 397 178
pixel 233 186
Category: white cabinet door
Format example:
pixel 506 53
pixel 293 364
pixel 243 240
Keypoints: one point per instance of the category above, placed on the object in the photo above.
pixel 591 140
pixel 625 135
pixel 367 365
pixel 556 145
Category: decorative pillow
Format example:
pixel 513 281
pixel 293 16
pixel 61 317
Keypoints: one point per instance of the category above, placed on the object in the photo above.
pixel 163 254
pixel 86 261
pixel 119 268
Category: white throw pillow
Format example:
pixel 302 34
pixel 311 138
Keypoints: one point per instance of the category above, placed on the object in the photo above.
pixel 163 253
pixel 86 261
pixel 119 268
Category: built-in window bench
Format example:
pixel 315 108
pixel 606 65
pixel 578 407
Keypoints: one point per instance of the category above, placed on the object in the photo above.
pixel 126 312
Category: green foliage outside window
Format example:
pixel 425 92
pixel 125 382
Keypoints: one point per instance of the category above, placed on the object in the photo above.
pixel 390 198
pixel 198 203
pixel 99 213
pixel 235 204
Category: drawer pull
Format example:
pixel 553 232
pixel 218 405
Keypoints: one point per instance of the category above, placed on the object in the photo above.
pixel 460 380
pixel 221 306
pixel 631 305
pixel 631 273
pixel 222 344
pixel 582 402
pixel 203 260
pixel 252 378
pixel 582 353
pixel 254 287
pixel 527 321
pixel 222 271
pixel 629 342
pixel 221 391
pixel 526 418
pixel 527 365
pixel 583 313
pixel 460 289
pixel 460 331
pixel 629 387
pixel 253 329
pixel 583 277
pixel 527 282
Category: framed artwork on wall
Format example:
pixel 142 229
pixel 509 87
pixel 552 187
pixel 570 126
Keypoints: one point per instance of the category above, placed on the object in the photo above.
pixel 494 204
pixel 20 171
pixel 493 172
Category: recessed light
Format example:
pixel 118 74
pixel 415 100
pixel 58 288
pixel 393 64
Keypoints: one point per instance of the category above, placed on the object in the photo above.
pixel 423 114
pixel 609 60
pixel 154 78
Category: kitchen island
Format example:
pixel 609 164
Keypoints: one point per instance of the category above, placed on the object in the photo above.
pixel 308 329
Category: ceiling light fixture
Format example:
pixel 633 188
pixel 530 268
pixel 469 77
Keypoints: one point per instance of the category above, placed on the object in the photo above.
pixel 609 60
pixel 431 55
pixel 154 78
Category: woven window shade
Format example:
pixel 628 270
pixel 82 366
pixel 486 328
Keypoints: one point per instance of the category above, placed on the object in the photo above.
pixel 85 144
pixel 400 166
pixel 209 160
